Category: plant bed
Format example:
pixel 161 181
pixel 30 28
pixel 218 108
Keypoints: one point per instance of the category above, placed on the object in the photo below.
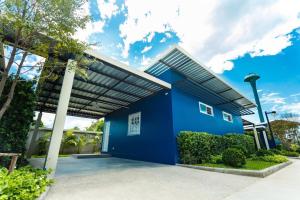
pixel 25 183
pixel 256 168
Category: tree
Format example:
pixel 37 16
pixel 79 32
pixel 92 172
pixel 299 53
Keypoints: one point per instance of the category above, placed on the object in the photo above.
pixel 282 127
pixel 96 126
pixel 39 27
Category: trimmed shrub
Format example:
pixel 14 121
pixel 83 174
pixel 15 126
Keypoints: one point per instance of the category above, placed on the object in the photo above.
pixel 243 140
pixel 290 153
pixel 216 159
pixel 242 148
pixel 272 158
pixel 264 152
pixel 276 151
pixel 233 157
pixel 198 147
pixel 194 147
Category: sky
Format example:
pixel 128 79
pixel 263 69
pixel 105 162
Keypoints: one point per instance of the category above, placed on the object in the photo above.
pixel 232 37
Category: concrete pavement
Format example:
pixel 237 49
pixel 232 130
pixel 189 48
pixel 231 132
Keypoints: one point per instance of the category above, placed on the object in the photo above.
pixel 120 179
pixel 284 184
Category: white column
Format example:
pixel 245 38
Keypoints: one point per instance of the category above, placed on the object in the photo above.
pixel 256 137
pixel 34 135
pixel 60 117
pixel 266 140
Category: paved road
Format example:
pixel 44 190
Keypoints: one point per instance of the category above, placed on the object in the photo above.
pixel 119 179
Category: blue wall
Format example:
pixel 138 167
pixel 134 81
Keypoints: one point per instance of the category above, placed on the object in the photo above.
pixel 187 116
pixel 156 142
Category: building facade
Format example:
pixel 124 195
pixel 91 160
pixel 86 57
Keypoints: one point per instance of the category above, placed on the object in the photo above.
pixel 197 101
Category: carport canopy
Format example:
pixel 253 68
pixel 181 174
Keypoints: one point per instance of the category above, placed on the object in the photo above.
pixel 111 85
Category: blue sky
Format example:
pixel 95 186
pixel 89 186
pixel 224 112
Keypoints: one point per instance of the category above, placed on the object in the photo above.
pixel 233 38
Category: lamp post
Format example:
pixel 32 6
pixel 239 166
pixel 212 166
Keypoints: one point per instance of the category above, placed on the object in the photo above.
pixel 270 128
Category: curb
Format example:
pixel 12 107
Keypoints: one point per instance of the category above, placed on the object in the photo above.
pixel 44 194
pixel 255 173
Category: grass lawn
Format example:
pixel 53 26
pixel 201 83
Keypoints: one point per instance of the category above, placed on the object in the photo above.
pixel 43 156
pixel 250 165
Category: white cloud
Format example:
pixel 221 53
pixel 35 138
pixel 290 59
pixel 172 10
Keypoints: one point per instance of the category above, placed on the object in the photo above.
pixel 163 40
pixel 147 48
pixel 215 31
pixel 90 28
pixel 272 98
pixel 107 8
pixel 71 122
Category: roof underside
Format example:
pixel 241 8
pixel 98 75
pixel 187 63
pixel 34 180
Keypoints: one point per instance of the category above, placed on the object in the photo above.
pixel 110 86
pixel 201 82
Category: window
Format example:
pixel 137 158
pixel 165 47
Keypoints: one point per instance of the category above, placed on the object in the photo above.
pixel 227 117
pixel 134 124
pixel 206 109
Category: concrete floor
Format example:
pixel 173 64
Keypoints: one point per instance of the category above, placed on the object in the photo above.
pixel 120 179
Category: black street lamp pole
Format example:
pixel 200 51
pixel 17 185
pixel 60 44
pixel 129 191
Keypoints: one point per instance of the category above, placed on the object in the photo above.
pixel 270 128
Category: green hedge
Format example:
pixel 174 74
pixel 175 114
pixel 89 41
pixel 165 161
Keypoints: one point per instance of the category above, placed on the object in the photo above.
pixel 198 147
pixel 15 124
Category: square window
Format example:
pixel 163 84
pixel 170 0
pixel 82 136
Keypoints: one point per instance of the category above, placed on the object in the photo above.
pixel 134 124
pixel 206 109
pixel 227 117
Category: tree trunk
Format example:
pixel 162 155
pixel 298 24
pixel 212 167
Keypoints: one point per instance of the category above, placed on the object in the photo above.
pixel 3 81
pixel 12 88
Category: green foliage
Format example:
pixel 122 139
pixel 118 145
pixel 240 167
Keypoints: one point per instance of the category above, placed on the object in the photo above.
pixel 294 147
pixel 272 158
pixel 15 124
pixel 43 143
pixel 197 147
pixel 281 127
pixel 96 141
pixel 290 153
pixel 216 159
pixel 264 152
pixel 276 151
pixel 233 157
pixel 96 126
pixel 25 183
pixel 68 139
pixel 194 147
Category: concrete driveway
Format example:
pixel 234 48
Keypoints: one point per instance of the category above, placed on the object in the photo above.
pixel 121 179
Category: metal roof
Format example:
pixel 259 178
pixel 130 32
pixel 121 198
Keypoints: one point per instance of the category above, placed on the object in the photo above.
pixel 111 85
pixel 200 81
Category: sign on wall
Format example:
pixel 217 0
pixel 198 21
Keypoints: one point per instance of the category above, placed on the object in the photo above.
pixel 134 124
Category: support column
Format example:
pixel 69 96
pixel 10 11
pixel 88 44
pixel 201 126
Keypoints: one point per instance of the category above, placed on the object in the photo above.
pixel 60 117
pixel 256 137
pixel 34 135
pixel 266 140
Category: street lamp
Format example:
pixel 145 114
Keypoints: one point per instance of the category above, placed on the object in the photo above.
pixel 269 125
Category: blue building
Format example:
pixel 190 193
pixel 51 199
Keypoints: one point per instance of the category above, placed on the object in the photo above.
pixel 197 101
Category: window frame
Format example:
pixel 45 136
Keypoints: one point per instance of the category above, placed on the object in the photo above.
pixel 138 131
pixel 207 106
pixel 225 119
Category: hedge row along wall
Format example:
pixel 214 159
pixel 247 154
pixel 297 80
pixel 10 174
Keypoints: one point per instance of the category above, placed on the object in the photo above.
pixel 198 147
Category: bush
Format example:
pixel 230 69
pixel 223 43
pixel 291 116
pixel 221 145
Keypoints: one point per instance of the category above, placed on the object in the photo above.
pixel 233 157
pixel 245 141
pixel 194 147
pixel 216 159
pixel 290 153
pixel 294 147
pixel 198 147
pixel 15 123
pixel 25 183
pixel 276 151
pixel 264 152
pixel 272 158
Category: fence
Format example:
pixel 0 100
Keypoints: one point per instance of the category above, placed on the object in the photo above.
pixel 91 145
